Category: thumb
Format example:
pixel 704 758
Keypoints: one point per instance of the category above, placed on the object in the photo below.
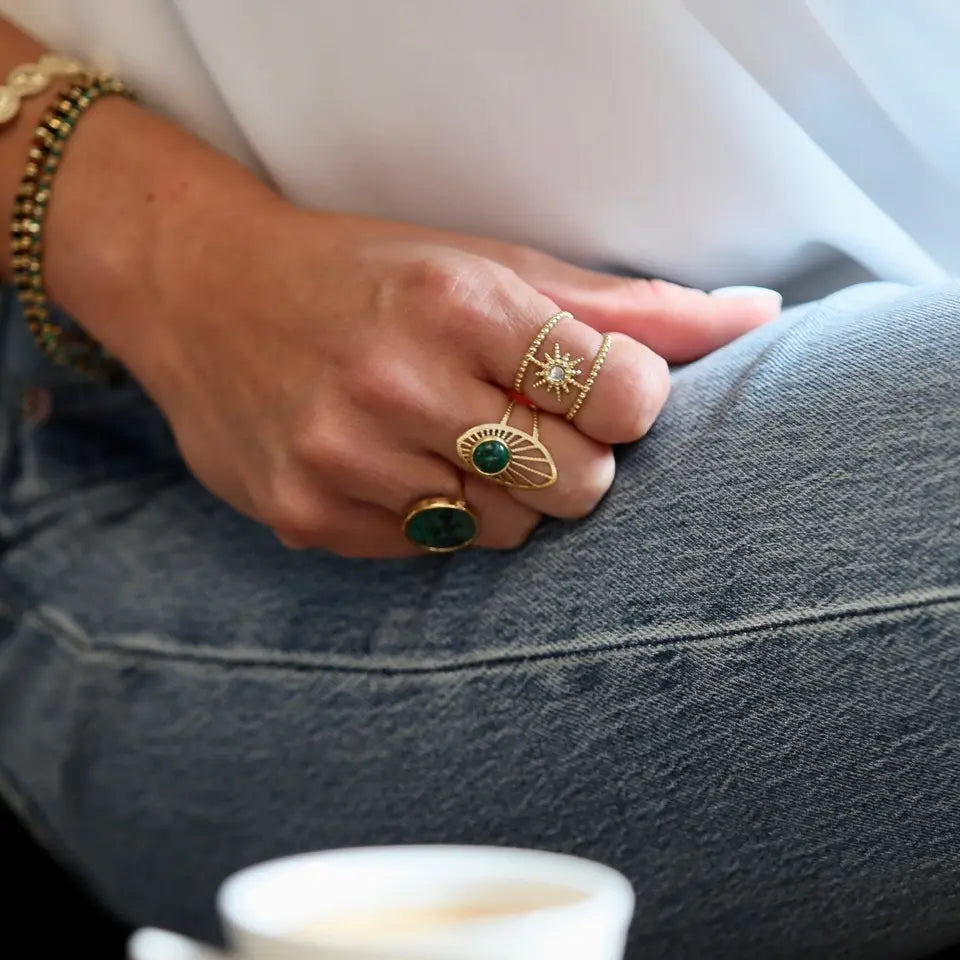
pixel 679 323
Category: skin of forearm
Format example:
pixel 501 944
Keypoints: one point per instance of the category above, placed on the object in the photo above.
pixel 143 217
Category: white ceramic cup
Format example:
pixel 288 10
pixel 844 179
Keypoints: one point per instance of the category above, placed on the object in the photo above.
pixel 370 904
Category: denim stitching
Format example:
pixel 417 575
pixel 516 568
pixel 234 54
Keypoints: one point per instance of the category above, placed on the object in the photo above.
pixel 62 629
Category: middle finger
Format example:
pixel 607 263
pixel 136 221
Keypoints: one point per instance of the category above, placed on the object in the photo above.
pixel 630 386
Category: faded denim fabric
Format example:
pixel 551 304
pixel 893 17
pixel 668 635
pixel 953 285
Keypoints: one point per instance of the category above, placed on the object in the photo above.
pixel 738 681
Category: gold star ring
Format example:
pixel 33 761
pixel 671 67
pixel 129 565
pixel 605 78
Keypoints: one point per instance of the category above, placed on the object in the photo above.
pixel 558 371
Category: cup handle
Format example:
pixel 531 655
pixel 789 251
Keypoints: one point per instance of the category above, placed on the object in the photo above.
pixel 152 944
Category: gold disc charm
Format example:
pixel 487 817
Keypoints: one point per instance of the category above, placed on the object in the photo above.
pixel 508 455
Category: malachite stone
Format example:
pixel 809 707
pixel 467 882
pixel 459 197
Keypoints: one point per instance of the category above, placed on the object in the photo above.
pixel 491 457
pixel 441 527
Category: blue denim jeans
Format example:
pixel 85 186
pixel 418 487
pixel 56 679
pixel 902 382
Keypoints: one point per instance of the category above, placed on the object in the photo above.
pixel 738 681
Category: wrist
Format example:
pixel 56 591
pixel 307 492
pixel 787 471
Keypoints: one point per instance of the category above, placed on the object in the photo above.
pixel 139 211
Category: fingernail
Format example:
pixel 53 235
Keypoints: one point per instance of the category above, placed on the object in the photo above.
pixel 728 292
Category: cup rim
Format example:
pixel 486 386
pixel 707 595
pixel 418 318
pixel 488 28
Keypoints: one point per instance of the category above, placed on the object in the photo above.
pixel 603 886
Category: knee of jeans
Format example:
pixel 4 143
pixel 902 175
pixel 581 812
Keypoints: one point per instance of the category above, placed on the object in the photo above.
pixel 881 345
pixel 903 325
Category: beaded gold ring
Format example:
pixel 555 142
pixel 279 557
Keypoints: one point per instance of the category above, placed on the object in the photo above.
pixel 591 377
pixel 559 372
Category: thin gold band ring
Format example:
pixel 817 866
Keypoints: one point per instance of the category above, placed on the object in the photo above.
pixel 591 377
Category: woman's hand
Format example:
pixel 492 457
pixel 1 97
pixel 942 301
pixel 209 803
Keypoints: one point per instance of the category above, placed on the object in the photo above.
pixel 317 369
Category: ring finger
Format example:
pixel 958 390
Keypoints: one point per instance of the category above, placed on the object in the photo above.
pixel 389 487
pixel 584 468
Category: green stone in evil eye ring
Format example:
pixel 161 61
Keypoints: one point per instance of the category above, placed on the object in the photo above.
pixel 491 457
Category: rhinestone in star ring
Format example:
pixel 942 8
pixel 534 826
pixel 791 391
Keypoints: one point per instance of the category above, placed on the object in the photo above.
pixel 531 355
pixel 559 372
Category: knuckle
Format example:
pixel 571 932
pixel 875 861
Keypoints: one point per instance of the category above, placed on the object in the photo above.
pixel 305 450
pixel 466 289
pixel 656 389
pixel 590 487
pixel 382 385
pixel 361 543
pixel 345 547
pixel 652 290
pixel 292 543
pixel 528 261
pixel 515 535
pixel 439 278
pixel 339 457
pixel 641 397
pixel 294 515
pixel 323 449
pixel 357 550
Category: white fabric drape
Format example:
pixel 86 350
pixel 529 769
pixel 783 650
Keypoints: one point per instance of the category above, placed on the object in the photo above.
pixel 709 141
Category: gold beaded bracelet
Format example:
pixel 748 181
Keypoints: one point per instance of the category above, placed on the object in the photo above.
pixel 71 348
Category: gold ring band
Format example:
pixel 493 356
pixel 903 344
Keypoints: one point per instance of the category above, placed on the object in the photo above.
pixel 559 372
pixel 508 455
pixel 531 353
pixel 591 378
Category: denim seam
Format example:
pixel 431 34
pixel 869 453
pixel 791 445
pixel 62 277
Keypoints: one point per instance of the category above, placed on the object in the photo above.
pixel 66 631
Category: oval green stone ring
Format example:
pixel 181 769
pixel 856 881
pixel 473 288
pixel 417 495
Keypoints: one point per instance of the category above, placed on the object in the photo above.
pixel 440 525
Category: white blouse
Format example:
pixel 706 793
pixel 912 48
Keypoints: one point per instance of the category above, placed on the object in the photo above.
pixel 797 144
